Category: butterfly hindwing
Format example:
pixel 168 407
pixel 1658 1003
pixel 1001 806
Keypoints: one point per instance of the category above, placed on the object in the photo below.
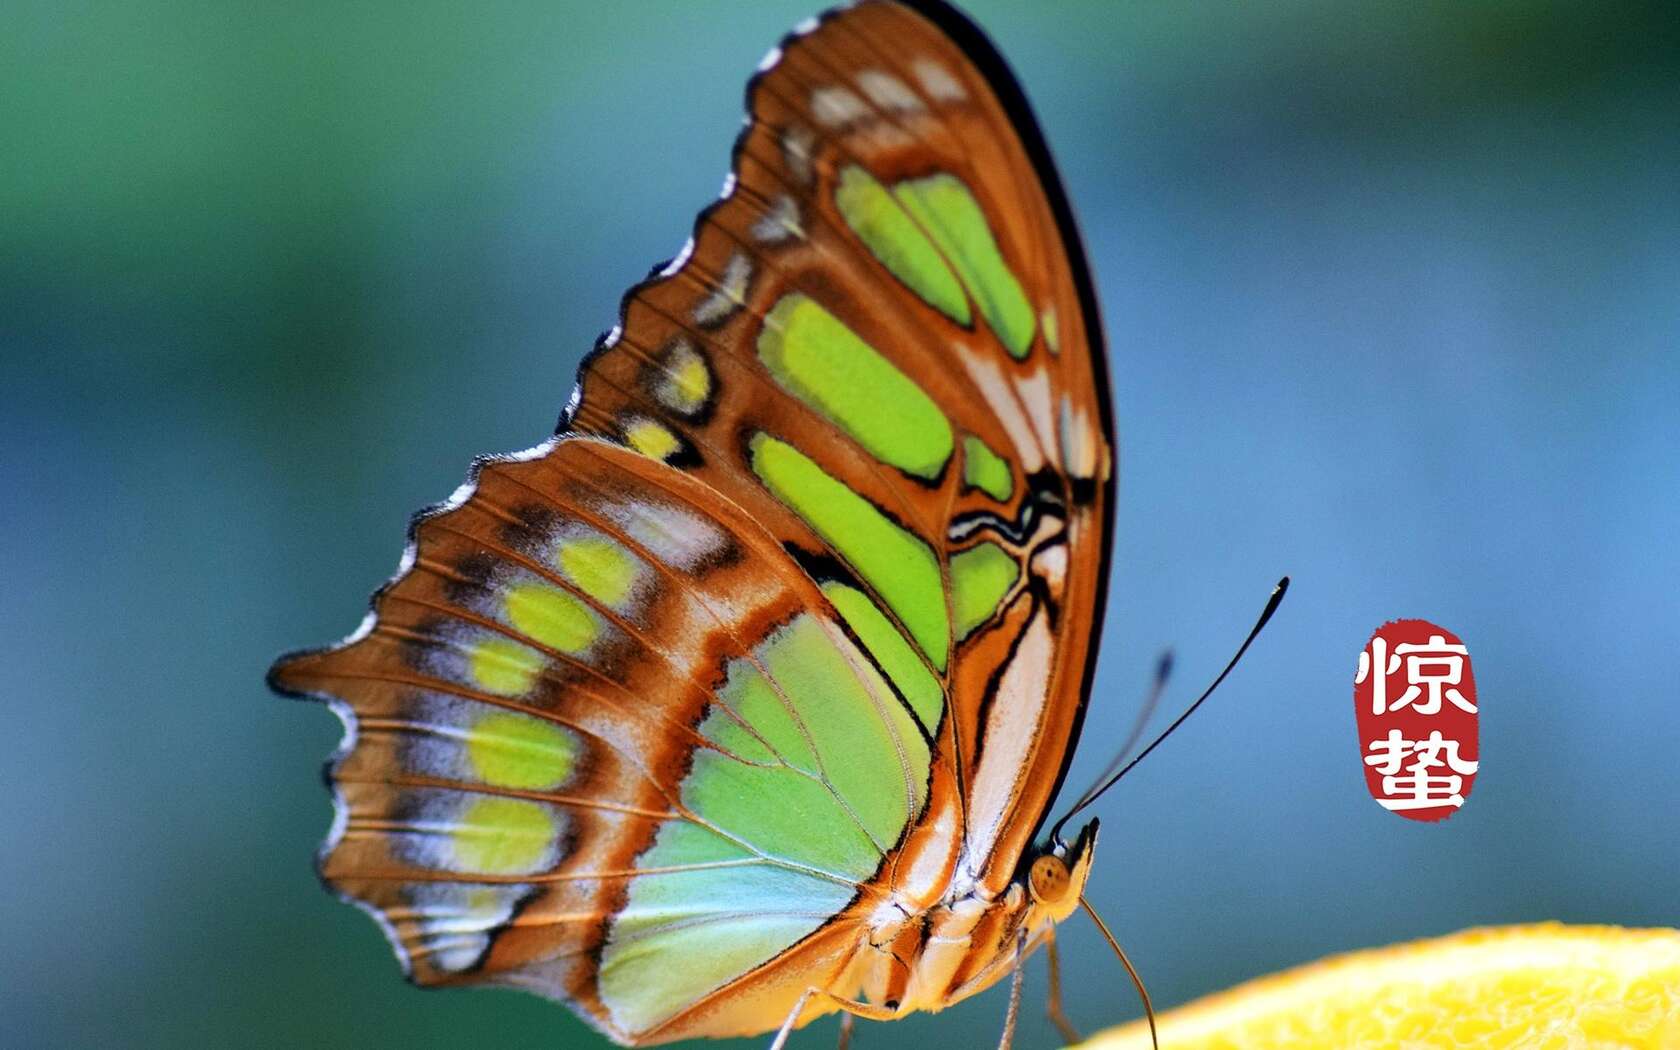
pixel 591 705
pixel 794 615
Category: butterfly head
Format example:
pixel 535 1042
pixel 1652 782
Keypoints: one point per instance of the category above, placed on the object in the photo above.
pixel 1056 877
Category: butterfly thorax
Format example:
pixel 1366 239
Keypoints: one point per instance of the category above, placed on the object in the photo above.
pixel 960 947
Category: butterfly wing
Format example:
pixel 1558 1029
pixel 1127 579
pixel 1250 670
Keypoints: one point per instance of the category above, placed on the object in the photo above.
pixel 894 254
pixel 652 715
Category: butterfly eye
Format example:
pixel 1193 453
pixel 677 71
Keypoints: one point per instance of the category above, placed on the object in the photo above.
pixel 1049 880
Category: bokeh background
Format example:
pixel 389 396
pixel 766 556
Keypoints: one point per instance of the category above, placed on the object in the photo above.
pixel 1391 294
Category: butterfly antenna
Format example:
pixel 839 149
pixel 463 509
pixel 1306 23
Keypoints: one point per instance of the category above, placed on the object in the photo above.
pixel 1163 669
pixel 1091 796
pixel 1131 971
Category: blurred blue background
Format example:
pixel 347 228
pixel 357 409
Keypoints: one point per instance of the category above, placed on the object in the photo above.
pixel 1391 295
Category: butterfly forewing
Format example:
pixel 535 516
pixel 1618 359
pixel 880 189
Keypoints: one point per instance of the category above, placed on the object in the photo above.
pixel 795 614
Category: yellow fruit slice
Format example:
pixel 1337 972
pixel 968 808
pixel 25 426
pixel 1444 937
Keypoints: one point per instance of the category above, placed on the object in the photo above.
pixel 1541 987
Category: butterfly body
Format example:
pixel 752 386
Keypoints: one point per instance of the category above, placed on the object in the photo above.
pixel 958 947
pixel 743 698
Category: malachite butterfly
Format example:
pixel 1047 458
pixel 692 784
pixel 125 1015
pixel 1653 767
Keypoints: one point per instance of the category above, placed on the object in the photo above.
pixel 743 699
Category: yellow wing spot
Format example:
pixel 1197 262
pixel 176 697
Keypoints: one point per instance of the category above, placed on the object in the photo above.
pixel 503 836
pixel 686 382
pixel 503 666
pixel 651 439
pixel 517 751
pixel 553 617
pixel 601 568
pixel 1052 336
pixel 485 900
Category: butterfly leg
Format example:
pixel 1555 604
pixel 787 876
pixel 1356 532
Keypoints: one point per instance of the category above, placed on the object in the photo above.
pixel 1053 1002
pixel 850 1007
pixel 792 1018
pixel 1014 992
pixel 846 1022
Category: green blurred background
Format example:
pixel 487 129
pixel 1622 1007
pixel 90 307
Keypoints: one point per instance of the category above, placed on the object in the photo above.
pixel 1391 295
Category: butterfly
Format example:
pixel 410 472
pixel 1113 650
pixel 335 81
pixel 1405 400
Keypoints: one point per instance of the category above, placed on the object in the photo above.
pixel 743 699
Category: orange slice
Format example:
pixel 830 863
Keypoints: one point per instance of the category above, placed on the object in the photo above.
pixel 1541 987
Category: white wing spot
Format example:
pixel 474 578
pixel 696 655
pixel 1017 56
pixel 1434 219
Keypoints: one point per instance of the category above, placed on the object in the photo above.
pixel 797 143
pixel 888 92
pixel 456 919
pixel 1014 723
pixel 1078 440
pixel 1051 564
pixel 938 82
pixel 1035 394
pixel 674 535
pixel 730 293
pixel 836 106
pixel 780 223
pixel 1004 401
